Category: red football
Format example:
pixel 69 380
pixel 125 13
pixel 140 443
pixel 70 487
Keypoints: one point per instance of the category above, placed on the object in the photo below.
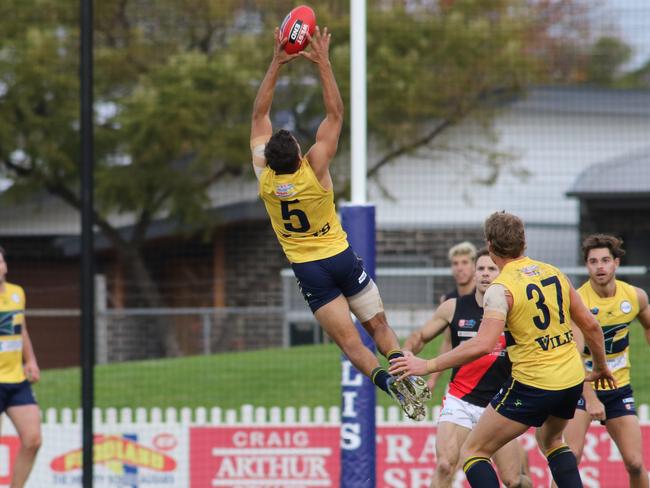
pixel 295 26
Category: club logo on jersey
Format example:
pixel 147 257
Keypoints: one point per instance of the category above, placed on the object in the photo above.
pixel 15 298
pixel 466 323
pixel 532 270
pixel 626 307
pixel 284 191
pixel 594 311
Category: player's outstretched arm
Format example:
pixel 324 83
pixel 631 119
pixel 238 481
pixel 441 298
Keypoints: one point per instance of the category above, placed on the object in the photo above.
pixel 593 336
pixel 480 345
pixel 644 312
pixel 327 137
pixel 438 322
pixel 494 320
pixel 261 128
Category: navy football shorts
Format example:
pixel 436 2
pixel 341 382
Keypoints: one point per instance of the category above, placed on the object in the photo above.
pixel 323 280
pixel 532 406
pixel 15 395
pixel 617 403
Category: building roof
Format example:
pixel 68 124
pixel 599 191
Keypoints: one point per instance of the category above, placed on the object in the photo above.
pixel 625 176
pixel 585 100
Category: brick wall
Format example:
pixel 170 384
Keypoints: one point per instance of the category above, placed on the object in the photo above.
pixel 434 243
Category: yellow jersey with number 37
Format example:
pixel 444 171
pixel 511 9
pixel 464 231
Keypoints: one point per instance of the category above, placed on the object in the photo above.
pixel 303 214
pixel 614 315
pixel 538 326
pixel 12 319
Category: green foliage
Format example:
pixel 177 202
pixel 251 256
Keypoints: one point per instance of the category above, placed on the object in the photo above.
pixel 607 56
pixel 639 78
pixel 173 88
pixel 175 80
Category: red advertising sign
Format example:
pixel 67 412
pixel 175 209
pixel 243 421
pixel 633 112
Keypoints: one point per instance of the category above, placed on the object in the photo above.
pixel 310 456
pixel 9 447
pixel 264 456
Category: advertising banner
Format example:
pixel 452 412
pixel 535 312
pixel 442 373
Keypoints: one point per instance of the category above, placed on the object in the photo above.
pixel 136 457
pixel 264 456
pixel 309 456
pixel 272 456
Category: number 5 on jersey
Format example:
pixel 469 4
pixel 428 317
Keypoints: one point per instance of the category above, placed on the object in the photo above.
pixel 290 214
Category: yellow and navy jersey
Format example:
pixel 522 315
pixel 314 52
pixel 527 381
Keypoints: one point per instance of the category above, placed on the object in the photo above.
pixel 539 338
pixel 12 320
pixel 302 214
pixel 614 315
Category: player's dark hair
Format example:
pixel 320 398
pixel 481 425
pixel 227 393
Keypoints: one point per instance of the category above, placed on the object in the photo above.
pixel 506 235
pixel 603 241
pixel 282 152
pixel 2 252
pixel 482 252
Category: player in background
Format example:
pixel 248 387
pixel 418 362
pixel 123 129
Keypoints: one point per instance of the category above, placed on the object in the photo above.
pixel 615 304
pixel 18 368
pixel 297 192
pixel 462 260
pixel 538 304
pixel 473 385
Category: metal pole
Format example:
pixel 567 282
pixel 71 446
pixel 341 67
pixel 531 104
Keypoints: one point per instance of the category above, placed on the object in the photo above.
pixel 87 243
pixel 358 127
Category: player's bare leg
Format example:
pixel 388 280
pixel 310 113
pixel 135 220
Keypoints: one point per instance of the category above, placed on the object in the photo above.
pixel 626 433
pixel 334 318
pixel 26 419
pixel 381 333
pixel 449 439
pixel 492 432
pixel 387 343
pixel 508 460
pixel 575 432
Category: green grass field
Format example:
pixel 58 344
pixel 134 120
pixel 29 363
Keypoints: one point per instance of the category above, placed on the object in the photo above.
pixel 308 375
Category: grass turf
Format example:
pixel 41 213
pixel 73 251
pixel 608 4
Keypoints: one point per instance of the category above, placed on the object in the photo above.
pixel 306 375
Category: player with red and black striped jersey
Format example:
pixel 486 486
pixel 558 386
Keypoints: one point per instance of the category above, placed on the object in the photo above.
pixel 472 385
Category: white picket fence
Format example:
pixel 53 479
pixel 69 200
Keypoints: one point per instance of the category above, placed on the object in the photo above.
pixel 246 415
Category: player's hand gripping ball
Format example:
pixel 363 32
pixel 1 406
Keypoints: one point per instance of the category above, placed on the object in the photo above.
pixel 295 27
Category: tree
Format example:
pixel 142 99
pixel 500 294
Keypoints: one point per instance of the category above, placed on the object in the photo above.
pixel 175 81
pixel 607 56
pixel 167 123
pixel 435 64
